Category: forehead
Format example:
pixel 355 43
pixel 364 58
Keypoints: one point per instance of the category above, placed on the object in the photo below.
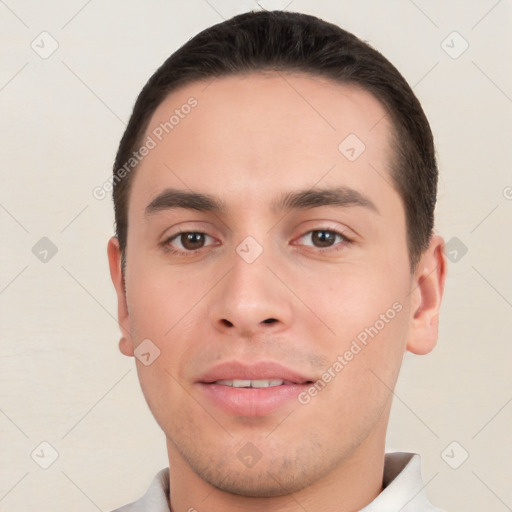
pixel 242 137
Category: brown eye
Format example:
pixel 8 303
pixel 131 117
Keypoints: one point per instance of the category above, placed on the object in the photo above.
pixel 191 241
pixel 323 238
pixel 188 241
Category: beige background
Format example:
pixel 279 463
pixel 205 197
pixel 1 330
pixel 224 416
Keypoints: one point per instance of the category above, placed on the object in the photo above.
pixel 62 378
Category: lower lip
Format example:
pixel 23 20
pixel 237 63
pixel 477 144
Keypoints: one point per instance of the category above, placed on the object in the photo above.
pixel 251 401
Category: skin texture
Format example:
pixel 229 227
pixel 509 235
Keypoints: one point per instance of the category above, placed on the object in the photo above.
pixel 248 141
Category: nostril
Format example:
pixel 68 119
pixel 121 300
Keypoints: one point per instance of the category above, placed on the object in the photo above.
pixel 269 321
pixel 226 322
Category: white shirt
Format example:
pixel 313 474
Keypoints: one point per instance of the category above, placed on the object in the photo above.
pixel 403 489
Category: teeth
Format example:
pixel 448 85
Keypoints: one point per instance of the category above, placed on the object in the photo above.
pixel 259 383
pixel 263 383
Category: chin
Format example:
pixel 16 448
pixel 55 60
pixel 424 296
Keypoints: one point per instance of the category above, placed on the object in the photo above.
pixel 261 484
pixel 280 476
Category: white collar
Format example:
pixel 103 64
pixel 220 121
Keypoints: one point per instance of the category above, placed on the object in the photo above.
pixel 404 490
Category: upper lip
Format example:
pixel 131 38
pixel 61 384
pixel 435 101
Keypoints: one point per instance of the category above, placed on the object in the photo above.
pixel 231 370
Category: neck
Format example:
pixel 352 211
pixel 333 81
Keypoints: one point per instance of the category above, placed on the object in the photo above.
pixel 350 486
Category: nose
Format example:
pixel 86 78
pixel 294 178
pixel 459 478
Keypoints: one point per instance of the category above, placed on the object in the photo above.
pixel 250 299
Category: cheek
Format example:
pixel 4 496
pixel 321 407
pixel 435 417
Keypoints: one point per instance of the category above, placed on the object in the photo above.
pixel 166 398
pixel 161 310
pixel 368 319
pixel 159 298
pixel 349 300
pixel 164 307
pixel 355 388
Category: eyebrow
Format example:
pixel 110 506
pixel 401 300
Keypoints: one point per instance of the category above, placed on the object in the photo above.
pixel 172 198
pixel 294 200
pixel 315 197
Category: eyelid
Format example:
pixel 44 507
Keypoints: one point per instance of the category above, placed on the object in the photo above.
pixel 327 225
pixel 187 227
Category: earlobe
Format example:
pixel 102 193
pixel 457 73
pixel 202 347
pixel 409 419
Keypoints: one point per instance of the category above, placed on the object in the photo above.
pixel 123 317
pixel 427 293
pixel 126 346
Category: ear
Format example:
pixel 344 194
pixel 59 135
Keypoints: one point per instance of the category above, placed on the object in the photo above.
pixel 426 294
pixel 123 317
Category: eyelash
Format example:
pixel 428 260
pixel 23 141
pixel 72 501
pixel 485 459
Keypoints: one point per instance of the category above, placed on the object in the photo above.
pixel 166 243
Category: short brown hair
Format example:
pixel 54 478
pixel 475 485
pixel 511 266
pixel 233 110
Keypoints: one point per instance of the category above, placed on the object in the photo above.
pixel 289 41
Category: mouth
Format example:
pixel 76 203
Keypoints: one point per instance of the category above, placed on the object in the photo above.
pixel 255 389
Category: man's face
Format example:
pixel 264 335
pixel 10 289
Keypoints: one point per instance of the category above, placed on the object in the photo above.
pixel 267 290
